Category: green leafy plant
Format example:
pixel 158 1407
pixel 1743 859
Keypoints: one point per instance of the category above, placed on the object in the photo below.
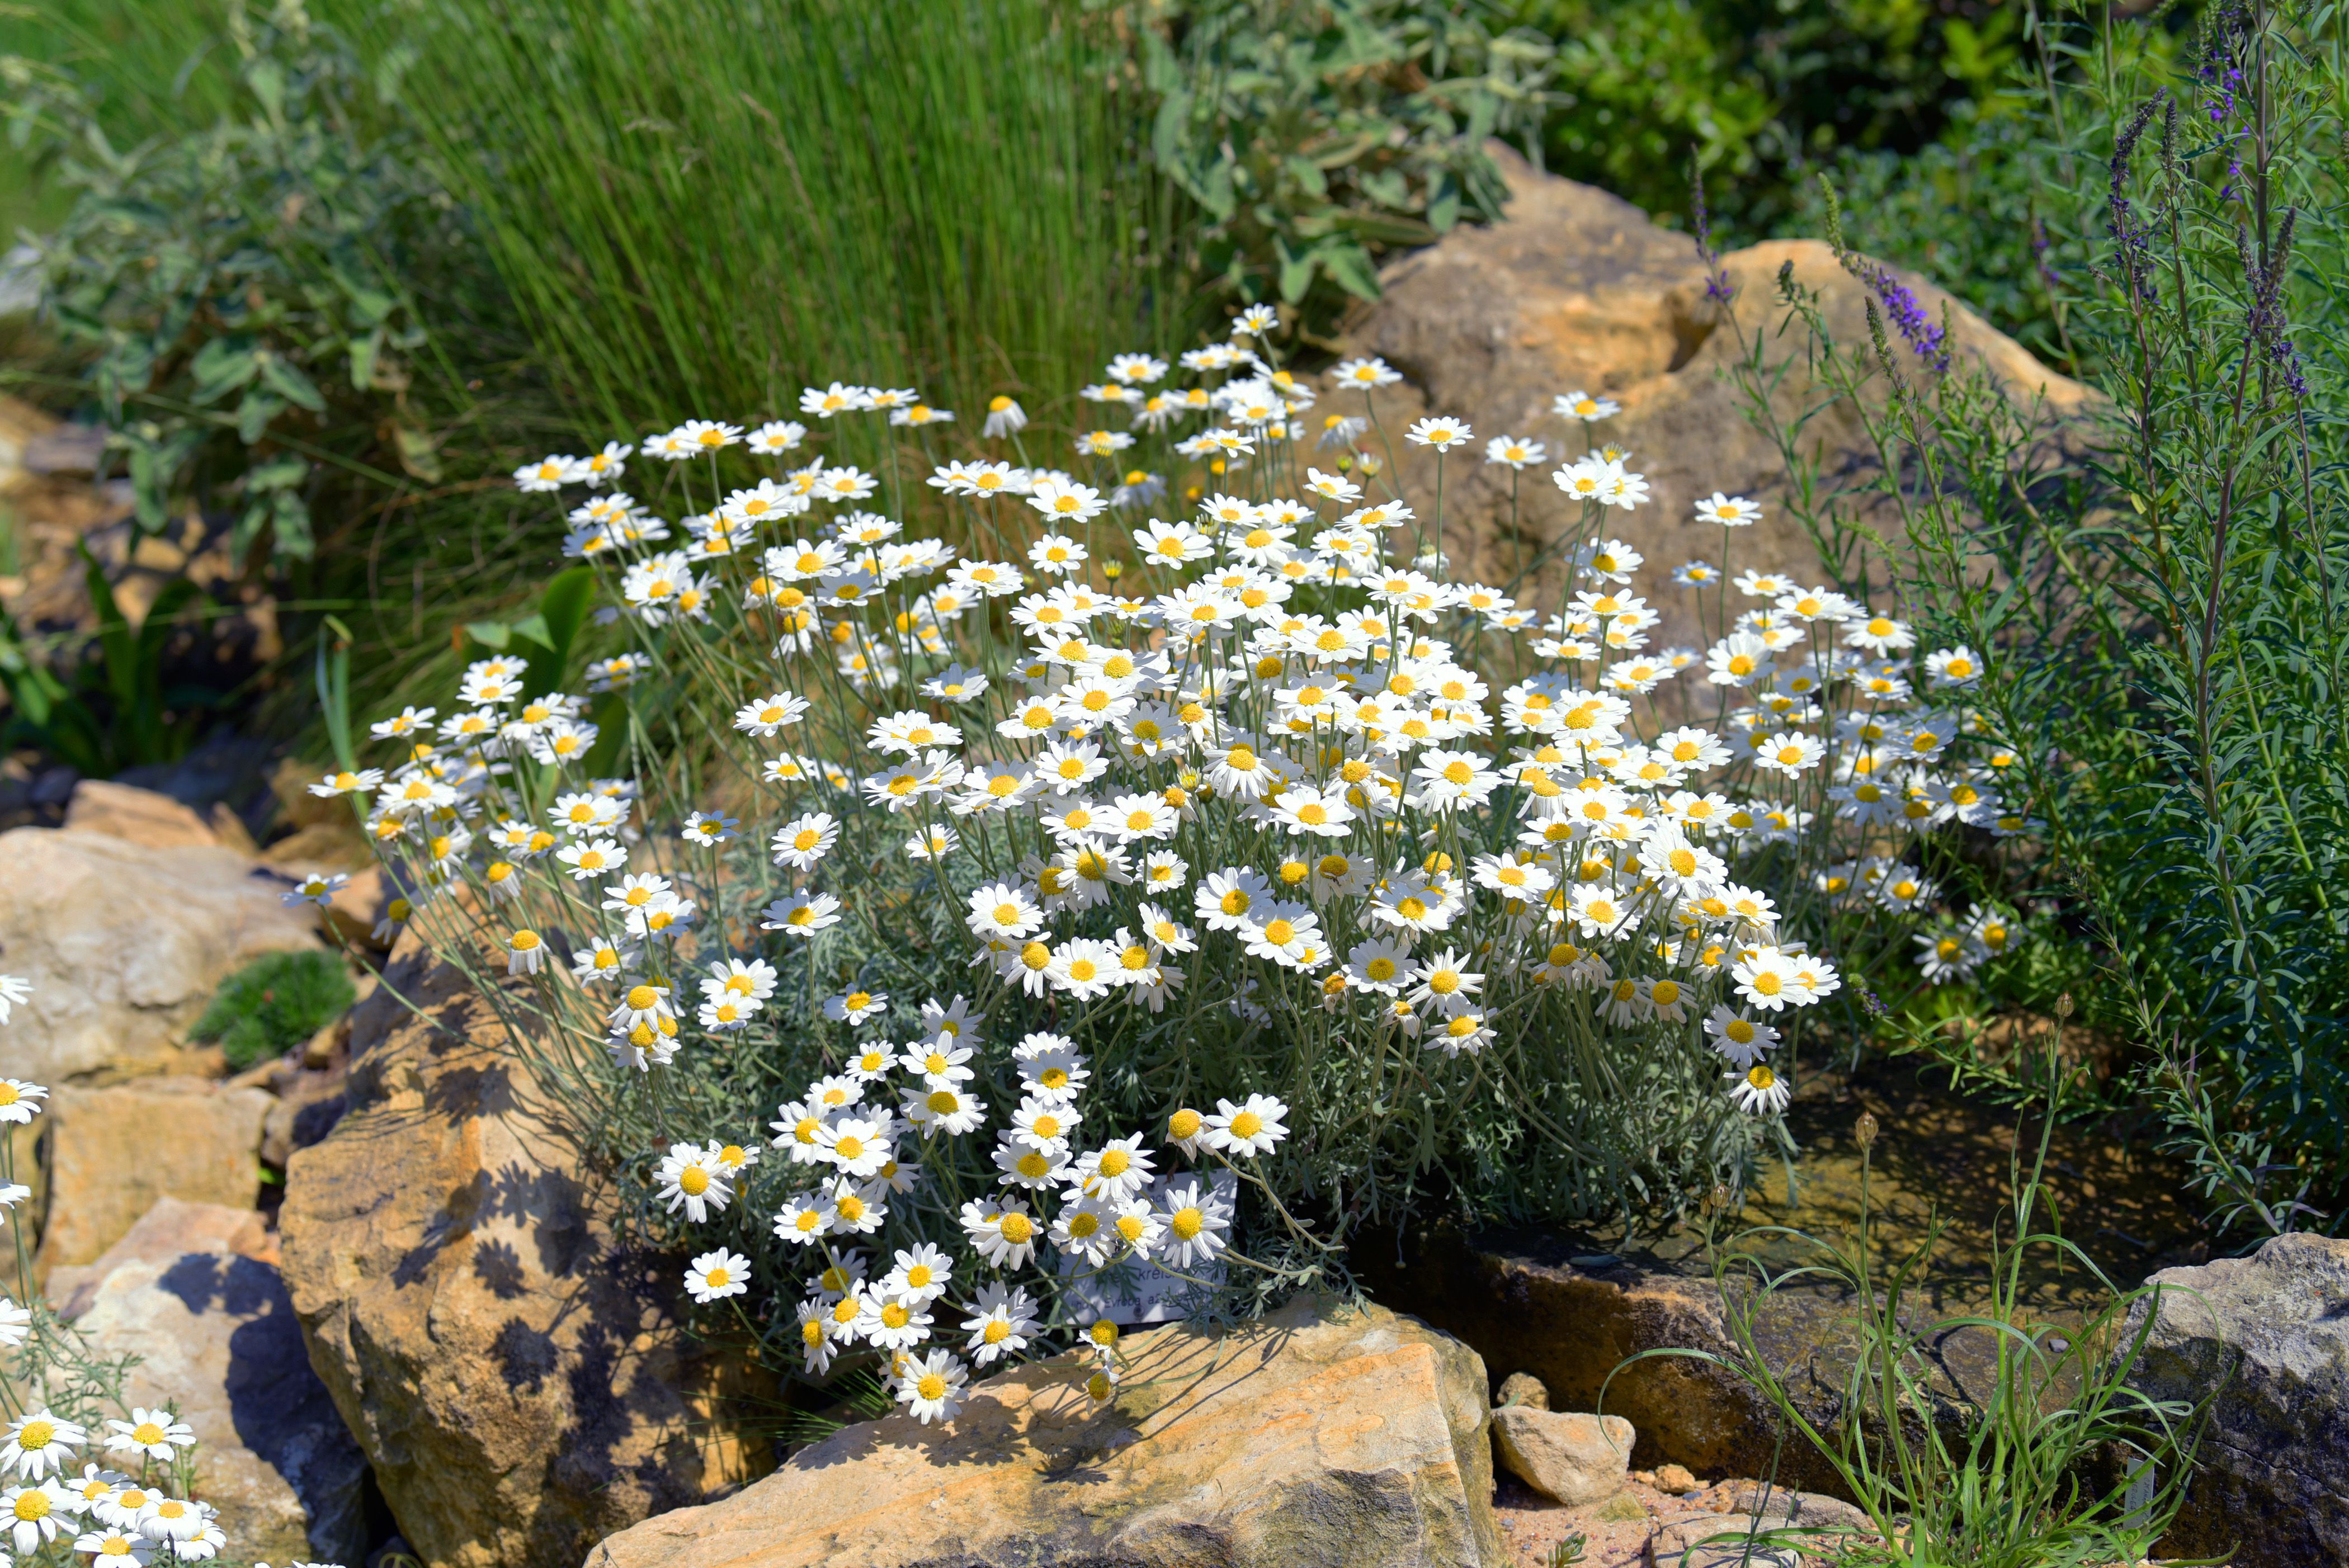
pixel 114 711
pixel 1315 137
pixel 245 291
pixel 1765 91
pixel 274 1004
pixel 2169 613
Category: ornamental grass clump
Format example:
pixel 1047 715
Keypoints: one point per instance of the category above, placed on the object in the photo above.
pixel 976 907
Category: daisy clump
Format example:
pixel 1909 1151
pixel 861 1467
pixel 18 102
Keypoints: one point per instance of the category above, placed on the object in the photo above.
pixel 979 898
pixel 80 1480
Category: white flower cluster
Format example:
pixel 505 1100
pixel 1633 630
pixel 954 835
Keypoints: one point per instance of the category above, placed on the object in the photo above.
pixel 1265 762
pixel 119 1519
pixel 1092 1208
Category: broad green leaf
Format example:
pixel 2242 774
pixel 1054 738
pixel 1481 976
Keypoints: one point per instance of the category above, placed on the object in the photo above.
pixel 291 515
pixel 292 382
pixel 254 411
pixel 418 453
pixel 1351 268
pixel 221 365
pixel 563 609
pixel 279 473
pixel 493 635
pixel 1296 271
pixel 365 350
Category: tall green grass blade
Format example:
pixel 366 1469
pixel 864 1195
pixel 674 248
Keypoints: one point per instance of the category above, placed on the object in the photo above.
pixel 706 205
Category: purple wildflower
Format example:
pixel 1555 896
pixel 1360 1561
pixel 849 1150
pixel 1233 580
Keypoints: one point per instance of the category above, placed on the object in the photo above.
pixel 1716 280
pixel 1926 337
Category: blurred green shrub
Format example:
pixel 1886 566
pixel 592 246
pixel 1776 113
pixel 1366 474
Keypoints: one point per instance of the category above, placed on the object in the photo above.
pixel 1765 91
pixel 274 1004
pixel 1314 136
pixel 245 291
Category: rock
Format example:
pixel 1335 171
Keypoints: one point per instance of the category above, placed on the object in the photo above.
pixel 520 1383
pixel 114 1152
pixel 1577 289
pixel 1535 1300
pixel 2266 1340
pixel 1314 1437
pixel 216 1335
pixel 1675 1479
pixel 75 449
pixel 1721 1541
pixel 308 1105
pixel 164 1231
pixel 1565 1455
pixel 124 944
pixel 1523 1388
pixel 1809 1510
pixel 139 817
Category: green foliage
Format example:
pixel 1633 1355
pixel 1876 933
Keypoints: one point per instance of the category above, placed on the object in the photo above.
pixel 1317 135
pixel 274 1004
pixel 685 225
pixel 244 290
pixel 2167 612
pixel 113 711
pixel 1765 91
pixel 2032 1469
pixel 157 74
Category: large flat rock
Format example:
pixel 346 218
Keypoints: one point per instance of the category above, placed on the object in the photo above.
pixel 124 942
pixel 215 1337
pixel 1315 1438
pixel 522 1384
pixel 1577 289
pixel 114 1152
pixel 2266 1340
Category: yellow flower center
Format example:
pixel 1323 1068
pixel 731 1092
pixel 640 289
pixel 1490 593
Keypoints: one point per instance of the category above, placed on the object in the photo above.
pixel 1018 1229
pixel 1246 1124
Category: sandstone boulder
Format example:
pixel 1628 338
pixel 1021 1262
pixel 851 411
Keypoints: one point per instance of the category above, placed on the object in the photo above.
pixel 1565 1455
pixel 216 1334
pixel 522 1384
pixel 124 943
pixel 2266 1340
pixel 142 817
pixel 114 1152
pixel 171 1229
pixel 1316 1437
pixel 1576 290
